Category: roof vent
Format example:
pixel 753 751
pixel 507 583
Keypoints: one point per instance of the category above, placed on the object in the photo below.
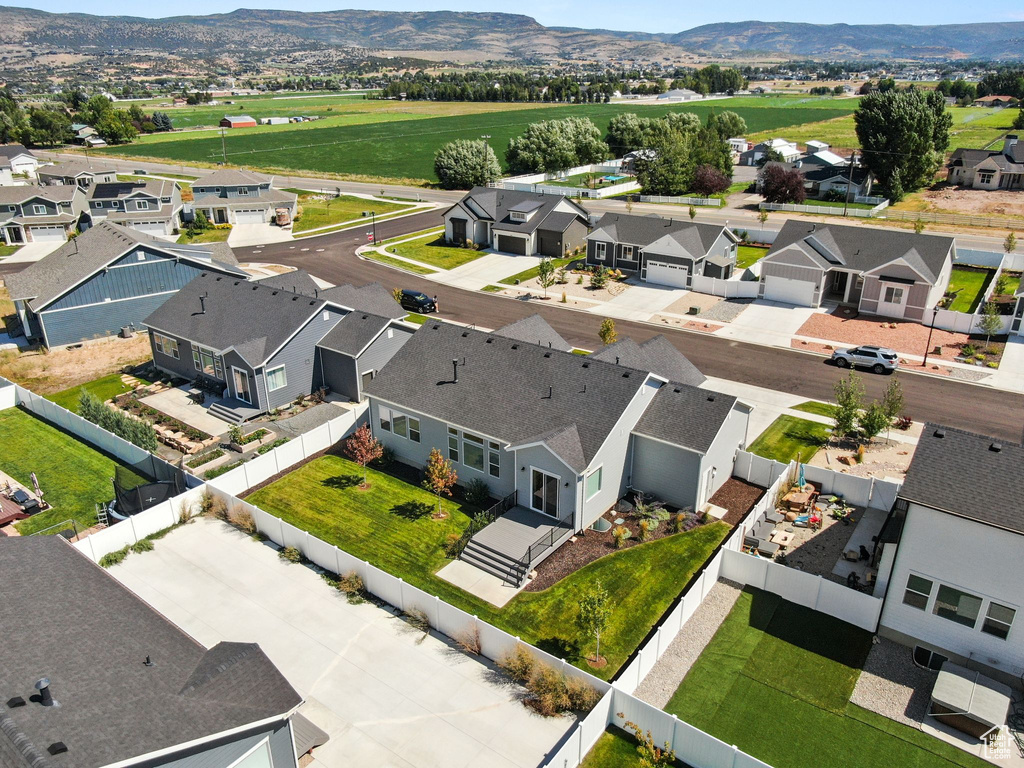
pixel 625 375
pixel 45 697
pixel 996 447
pixel 939 433
pixel 455 371
pixel 57 748
pixel 515 346
pixel 677 390
pixel 547 354
pixel 489 341
pixel 16 702
pixel 586 365
pixel 273 293
pixel 711 398
pixel 465 334
pixel 202 303
pixel 434 327
pixel 295 298
pixel 148 662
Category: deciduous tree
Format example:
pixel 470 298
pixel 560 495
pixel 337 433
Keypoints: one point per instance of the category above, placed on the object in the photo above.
pixel 849 400
pixel 990 322
pixel 546 275
pixel 779 185
pixel 462 164
pixel 362 447
pixel 607 332
pixel 439 477
pixel 556 145
pixel 708 180
pixel 593 615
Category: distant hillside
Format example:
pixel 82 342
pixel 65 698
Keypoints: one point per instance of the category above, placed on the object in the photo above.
pixel 494 35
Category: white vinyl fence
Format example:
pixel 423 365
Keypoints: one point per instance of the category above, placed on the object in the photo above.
pixel 759 470
pixel 962 322
pixel 867 492
pixel 757 234
pixel 730 289
pixel 539 183
pixel 708 202
pixel 827 210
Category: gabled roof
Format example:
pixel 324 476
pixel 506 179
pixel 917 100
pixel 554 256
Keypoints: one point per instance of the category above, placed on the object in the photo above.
pixel 60 193
pixel 231 177
pixel 511 391
pixel 959 472
pixel 11 151
pixel 66 619
pixel 534 330
pixel 372 297
pixel 249 317
pixel 656 355
pixel 79 259
pixel 296 281
pixel 495 204
pixel 353 332
pixel 686 416
pixel 865 249
pixel 115 190
pixel 696 239
pixel 73 168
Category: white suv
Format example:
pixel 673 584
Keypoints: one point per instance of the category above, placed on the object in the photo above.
pixel 878 359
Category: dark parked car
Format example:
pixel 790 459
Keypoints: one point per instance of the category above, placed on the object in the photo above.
pixel 417 301
pixel 26 502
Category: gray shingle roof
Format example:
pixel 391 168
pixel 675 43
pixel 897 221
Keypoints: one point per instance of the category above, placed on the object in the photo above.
pixel 9 151
pixel 656 355
pixel 249 317
pixel 353 332
pixel 296 281
pixel 961 474
pixel 534 330
pixel 231 177
pixel 372 297
pixel 515 392
pixel 686 416
pixel 50 277
pixel 694 237
pixel 866 248
pixel 115 190
pixel 268 196
pixel 73 168
pixel 66 619
pixel 496 204
pixel 57 193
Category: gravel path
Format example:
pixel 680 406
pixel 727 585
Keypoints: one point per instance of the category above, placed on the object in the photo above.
pixel 725 311
pixel 311 418
pixel 662 681
pixel 966 374
pixel 892 685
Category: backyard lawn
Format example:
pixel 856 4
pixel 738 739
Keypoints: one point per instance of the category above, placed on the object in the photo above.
pixel 210 235
pixel 74 476
pixel 615 748
pixel 776 681
pixel 969 284
pixel 748 255
pixel 390 526
pixel 323 210
pixel 432 250
pixel 589 180
pixel 789 438
pixel 104 388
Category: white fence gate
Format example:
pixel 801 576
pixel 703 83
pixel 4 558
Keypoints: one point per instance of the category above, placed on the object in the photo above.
pixel 730 289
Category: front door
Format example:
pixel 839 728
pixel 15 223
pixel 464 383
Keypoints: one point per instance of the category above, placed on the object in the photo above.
pixel 544 493
pixel 241 381
pixel 220 216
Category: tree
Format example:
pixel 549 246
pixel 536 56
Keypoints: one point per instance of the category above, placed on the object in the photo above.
pixel 990 322
pixel 762 216
pixel 728 124
pixel 439 477
pixel 667 168
pixel 892 401
pixel 115 126
pixel 903 135
pixel 693 212
pixel 1018 121
pixel 463 164
pixel 592 617
pixel 546 275
pixel 1010 243
pixel 849 400
pixel 135 431
pixel 362 447
pixel 47 128
pixel 874 420
pixel 708 180
pixel 95 108
pixel 555 145
pixel 779 185
pixel 607 332
pixel 770 156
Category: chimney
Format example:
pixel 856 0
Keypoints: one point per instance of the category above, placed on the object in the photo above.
pixel 455 371
pixel 1009 143
pixel 45 698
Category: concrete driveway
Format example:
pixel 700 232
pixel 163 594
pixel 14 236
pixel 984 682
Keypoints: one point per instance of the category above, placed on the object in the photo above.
pixel 256 234
pixel 386 694
pixel 33 252
pixel 768 322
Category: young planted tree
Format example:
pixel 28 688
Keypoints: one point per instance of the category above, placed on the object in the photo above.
pixel 762 216
pixel 593 614
pixel 693 212
pixel 849 400
pixel 439 477
pixel 546 275
pixel 990 322
pixel 874 420
pixel 892 402
pixel 1010 243
pixel 362 447
pixel 607 332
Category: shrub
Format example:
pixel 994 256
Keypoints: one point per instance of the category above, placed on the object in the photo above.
pixel 418 619
pixel 904 422
pixel 599 278
pixel 351 584
pixel 621 534
pixel 142 545
pixel 133 430
pixel 451 545
pixel 518 663
pixel 647 527
pixel 386 458
pixel 678 522
pixel 550 693
pixel 213 506
pixel 204 458
pixel 242 518
pixel 860 453
pixel 113 558
pixel 582 695
pixel 469 639
pixel 477 493
pixel 271 446
pixel 291 554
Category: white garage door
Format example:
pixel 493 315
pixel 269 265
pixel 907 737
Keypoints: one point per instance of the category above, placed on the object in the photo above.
pixel 663 273
pixel 150 227
pixel 250 215
pixel 47 234
pixel 799 292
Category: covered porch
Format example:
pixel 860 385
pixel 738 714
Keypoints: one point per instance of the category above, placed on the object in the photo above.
pixel 843 286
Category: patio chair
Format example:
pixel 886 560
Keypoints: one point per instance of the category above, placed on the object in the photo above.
pixel 773 516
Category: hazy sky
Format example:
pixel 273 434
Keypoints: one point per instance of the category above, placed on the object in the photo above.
pixel 641 15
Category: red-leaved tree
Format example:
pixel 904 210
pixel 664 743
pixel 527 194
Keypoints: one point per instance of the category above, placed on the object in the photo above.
pixel 362 447
pixel 708 180
pixel 439 476
pixel 779 185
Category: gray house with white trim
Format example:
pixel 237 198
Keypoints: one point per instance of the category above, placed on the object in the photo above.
pixel 881 272
pixel 232 196
pixel 152 206
pixel 80 173
pixel 33 214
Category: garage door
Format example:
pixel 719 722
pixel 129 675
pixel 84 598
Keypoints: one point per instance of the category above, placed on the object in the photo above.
pixel 508 244
pixel 47 234
pixel 150 227
pixel 663 273
pixel 549 245
pixel 251 216
pixel 788 291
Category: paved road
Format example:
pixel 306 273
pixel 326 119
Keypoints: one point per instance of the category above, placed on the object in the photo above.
pixel 954 403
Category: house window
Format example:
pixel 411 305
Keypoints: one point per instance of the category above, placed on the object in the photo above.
pixel 517 216
pixel 414 429
pixel 453 444
pixel 917 592
pixel 140 256
pixel 243 191
pixel 957 605
pixel 985 177
pixel 627 252
pixel 928 659
pixel 594 482
pixel 142 205
pixel 384 418
pixel 998 620
pixel 276 378
pixel 327 315
pixel 39 210
pixel 892 295
pixel 166 345
pixel 599 251
pixel 473 451
pixel 405 426
pixel 493 459
pixel 207 361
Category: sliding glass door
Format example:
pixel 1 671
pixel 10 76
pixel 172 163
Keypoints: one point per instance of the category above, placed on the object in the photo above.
pixel 544 493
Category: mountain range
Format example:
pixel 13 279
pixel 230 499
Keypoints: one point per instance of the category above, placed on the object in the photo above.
pixel 499 35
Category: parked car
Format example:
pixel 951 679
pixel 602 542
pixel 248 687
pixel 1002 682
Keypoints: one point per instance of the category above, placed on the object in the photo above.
pixel 26 502
pixel 878 359
pixel 417 301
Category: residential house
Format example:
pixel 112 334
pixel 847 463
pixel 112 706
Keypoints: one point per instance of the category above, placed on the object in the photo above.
pixel 824 158
pixel 950 552
pixel 754 155
pixel 16 161
pixel 522 223
pixel 815 146
pixel 33 214
pixel 81 133
pixel 80 173
pixel 679 94
pixel 108 278
pixel 989 169
pixel 265 344
pixel 881 272
pixel 237 121
pixel 821 179
pixel 660 250
pixel 152 206
pixel 738 144
pixel 1017 324
pixel 102 679
pixel 994 101
pixel 568 435
pixel 241 197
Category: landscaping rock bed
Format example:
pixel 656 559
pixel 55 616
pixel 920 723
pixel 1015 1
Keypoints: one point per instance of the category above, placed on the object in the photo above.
pixel 725 311
pixel 738 496
pixel 891 685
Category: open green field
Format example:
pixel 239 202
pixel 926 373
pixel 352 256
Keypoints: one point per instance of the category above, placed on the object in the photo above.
pixel 322 211
pixel 390 526
pixel 404 147
pixel 255 106
pixel 776 681
pixel 74 476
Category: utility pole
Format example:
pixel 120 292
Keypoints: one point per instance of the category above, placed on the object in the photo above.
pixel 849 183
pixel 485 137
pixel 223 147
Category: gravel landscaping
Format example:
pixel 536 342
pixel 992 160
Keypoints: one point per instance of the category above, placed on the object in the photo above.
pixel 726 311
pixel 738 497
pixel 907 337
pixel 663 680
pixel 892 685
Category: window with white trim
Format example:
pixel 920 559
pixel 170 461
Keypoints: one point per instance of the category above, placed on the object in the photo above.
pixel 142 205
pixel 243 191
pixel 998 620
pixel 517 216
pixel 384 418
pixel 600 250
pixel 473 451
pixel 956 605
pixel 493 459
pixel 453 444
pixel 257 757
pixel 276 378
pixel 928 659
pixel 594 482
pixel 917 592
pixel 985 177
pixel 165 345
pixel 207 361
pixel 39 210
pixel 627 252
pixel 405 426
pixel 893 295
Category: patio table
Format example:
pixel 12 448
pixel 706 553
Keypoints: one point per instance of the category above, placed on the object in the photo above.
pixel 782 538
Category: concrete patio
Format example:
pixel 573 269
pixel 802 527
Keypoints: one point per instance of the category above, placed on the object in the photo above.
pixel 177 404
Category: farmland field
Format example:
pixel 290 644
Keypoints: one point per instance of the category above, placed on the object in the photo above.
pixel 398 139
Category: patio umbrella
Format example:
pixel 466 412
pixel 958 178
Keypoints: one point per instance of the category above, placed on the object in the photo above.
pixel 35 483
pixel 802 481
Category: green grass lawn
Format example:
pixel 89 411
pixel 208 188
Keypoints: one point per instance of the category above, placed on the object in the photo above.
pixel 74 476
pixel 393 262
pixel 8 250
pixel 432 231
pixel 319 212
pixel 432 250
pixel 813 406
pixel 969 285
pixel 748 255
pixel 104 388
pixel 838 204
pixel 776 681
pixel 390 526
pixel 789 438
pixel 416 318
pixel 207 236
pixel 529 274
pixel 588 180
pixel 615 748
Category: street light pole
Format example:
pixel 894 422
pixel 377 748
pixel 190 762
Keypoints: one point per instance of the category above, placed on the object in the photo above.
pixel 849 183
pixel 485 137
pixel 935 314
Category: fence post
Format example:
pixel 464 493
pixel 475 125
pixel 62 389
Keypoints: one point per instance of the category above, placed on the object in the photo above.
pixel 401 596
pixel 366 578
